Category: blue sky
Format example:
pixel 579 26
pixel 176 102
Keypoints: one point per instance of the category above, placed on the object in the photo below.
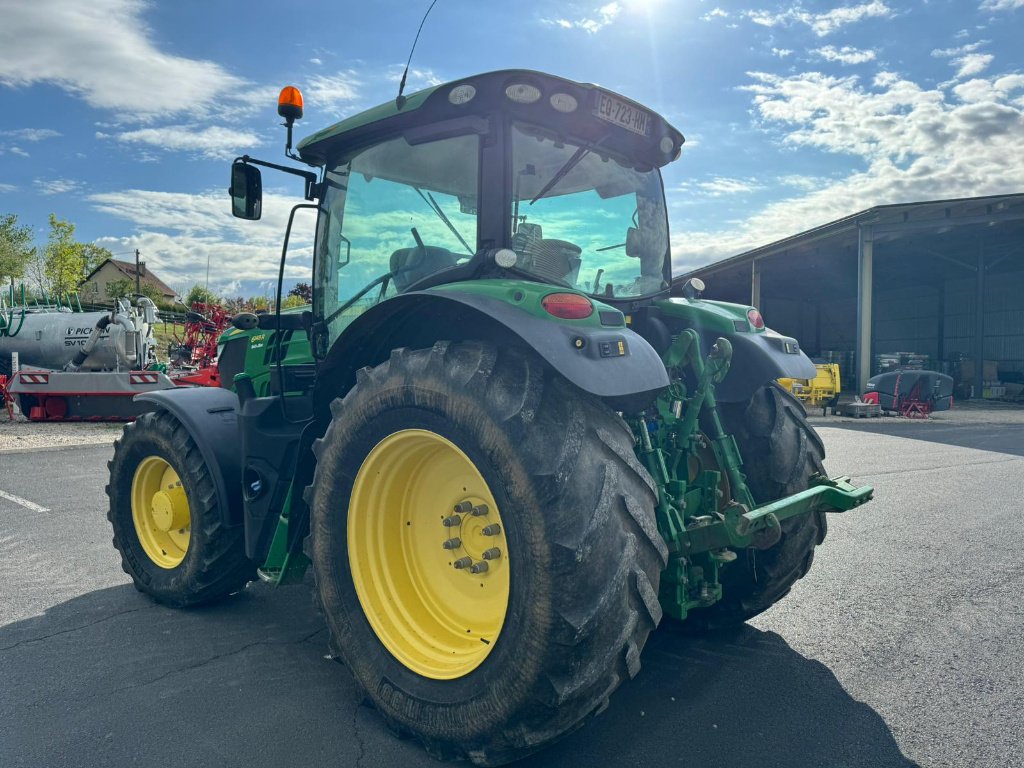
pixel 122 116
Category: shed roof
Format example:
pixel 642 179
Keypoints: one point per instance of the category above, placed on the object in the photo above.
pixel 888 222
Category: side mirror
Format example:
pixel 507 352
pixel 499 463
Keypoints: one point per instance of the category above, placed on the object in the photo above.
pixel 246 191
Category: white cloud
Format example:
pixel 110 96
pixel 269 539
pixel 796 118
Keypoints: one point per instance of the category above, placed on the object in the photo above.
pixel 715 13
pixel 103 52
pixel 417 79
pixel 57 186
pixel 31 134
pixel 214 142
pixel 913 143
pixel 821 23
pixel 7 188
pixel 965 58
pixel 1001 5
pixel 720 186
pixel 782 52
pixel 18 151
pixel 179 232
pixel 845 55
pixel 806 183
pixel 600 19
pixel 946 53
pixel 972 64
pixel 333 94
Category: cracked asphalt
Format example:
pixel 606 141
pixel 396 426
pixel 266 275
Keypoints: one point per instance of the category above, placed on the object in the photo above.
pixel 903 646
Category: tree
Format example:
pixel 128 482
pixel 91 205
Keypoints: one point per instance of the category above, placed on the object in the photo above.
pixel 125 287
pixel 199 294
pixel 16 249
pixel 118 289
pixel 64 258
pixel 293 300
pixel 94 255
pixel 304 291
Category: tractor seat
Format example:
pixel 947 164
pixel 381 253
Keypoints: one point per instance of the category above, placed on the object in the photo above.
pixel 410 265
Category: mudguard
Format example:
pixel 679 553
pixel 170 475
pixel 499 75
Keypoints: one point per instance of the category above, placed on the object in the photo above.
pixel 210 415
pixel 610 362
pixel 759 355
pixel 758 358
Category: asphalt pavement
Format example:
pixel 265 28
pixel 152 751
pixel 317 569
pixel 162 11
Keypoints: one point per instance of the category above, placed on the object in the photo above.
pixel 903 646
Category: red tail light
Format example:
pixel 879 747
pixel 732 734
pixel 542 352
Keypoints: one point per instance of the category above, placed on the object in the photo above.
pixel 755 318
pixel 568 306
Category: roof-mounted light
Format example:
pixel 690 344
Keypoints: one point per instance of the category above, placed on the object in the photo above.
pixel 461 94
pixel 289 106
pixel 522 93
pixel 563 102
pixel 289 103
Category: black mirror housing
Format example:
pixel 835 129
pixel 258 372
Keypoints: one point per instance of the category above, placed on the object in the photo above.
pixel 246 191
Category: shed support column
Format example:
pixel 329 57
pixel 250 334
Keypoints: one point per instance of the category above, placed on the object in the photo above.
pixel 755 283
pixel 865 259
pixel 979 324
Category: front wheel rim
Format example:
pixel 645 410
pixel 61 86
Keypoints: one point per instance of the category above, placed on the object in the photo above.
pixel 160 512
pixel 428 554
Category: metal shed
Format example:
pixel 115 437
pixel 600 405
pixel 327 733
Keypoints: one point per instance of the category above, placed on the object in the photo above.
pixel 940 281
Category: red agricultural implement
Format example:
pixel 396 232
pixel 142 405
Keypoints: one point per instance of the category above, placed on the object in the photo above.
pixel 197 348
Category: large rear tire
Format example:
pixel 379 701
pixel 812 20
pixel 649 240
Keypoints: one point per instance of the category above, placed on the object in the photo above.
pixel 166 519
pixel 558 619
pixel 781 451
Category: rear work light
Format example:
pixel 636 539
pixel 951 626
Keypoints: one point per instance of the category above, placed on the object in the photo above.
pixel 568 306
pixel 755 318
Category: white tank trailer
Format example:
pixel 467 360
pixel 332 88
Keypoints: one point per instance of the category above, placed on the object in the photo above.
pixel 55 339
pixel 83 365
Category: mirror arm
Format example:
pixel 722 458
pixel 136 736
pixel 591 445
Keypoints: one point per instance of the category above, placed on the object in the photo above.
pixel 312 187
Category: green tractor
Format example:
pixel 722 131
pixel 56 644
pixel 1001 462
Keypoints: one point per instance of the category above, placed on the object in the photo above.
pixel 506 450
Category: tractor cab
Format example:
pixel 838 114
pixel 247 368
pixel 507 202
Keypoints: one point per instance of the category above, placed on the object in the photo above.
pixel 512 174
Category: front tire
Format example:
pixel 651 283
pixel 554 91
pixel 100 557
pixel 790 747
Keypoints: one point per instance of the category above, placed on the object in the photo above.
pixel 781 451
pixel 166 519
pixel 575 589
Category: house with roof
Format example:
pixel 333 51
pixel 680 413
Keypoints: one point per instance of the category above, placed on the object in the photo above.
pixel 95 288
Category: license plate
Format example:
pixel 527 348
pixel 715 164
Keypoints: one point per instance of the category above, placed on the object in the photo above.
pixel 622 114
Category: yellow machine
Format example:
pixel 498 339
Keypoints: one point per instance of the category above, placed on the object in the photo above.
pixel 821 390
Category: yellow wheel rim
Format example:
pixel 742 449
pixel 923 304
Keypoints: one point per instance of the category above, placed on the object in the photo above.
pixel 160 512
pixel 428 554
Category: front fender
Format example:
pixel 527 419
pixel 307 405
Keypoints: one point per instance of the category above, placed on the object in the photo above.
pixel 758 358
pixel 759 355
pixel 610 362
pixel 210 414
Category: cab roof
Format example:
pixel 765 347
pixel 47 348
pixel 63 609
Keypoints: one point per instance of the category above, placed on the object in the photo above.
pixel 489 95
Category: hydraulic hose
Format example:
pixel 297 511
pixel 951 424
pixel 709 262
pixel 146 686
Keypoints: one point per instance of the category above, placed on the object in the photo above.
pixel 82 355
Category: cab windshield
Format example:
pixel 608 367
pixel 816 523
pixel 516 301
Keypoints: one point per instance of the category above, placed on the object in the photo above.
pixel 585 219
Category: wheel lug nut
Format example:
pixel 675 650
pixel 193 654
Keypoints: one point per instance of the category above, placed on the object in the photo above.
pixel 492 554
pixel 453 543
pixel 480 567
pixel 479 510
pixel 463 507
pixel 491 530
pixel 462 562
pixel 452 521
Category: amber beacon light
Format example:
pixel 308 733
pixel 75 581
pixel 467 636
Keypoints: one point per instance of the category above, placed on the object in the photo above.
pixel 289 103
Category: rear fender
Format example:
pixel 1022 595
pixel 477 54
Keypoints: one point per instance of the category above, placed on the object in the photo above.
pixel 210 415
pixel 610 362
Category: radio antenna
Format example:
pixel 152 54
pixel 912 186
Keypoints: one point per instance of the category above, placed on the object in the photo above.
pixel 400 99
